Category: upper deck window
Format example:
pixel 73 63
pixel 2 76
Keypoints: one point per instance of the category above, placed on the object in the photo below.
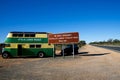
pixel 14 35
pixel 32 35
pixel 26 35
pixel 17 35
pixel 29 35
pixel 20 35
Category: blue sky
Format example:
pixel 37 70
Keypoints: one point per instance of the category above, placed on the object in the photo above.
pixel 95 20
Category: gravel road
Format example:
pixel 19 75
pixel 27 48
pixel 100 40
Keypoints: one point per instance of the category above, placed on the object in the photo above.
pixel 92 63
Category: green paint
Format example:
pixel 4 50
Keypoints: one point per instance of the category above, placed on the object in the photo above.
pixel 26 40
pixel 13 52
pixel 30 51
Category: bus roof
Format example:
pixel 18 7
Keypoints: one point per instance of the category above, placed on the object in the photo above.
pixel 29 32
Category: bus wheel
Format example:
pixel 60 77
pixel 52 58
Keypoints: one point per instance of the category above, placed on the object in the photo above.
pixel 41 54
pixel 5 55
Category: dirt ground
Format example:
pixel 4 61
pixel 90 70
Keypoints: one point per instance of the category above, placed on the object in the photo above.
pixel 92 63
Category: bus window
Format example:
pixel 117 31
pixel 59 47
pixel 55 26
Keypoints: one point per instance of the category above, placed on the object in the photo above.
pixel 7 45
pixel 38 46
pixel 32 35
pixel 20 35
pixel 14 35
pixel 26 35
pixel 32 46
pixel 17 35
pixel 29 35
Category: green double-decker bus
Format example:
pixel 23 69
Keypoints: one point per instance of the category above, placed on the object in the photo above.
pixel 27 44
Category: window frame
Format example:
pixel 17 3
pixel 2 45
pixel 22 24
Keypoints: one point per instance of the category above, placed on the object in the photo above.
pixel 38 45
pixel 32 46
pixel 35 46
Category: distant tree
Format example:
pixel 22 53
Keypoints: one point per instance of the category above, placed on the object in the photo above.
pixel 116 41
pixel 109 40
pixel 82 43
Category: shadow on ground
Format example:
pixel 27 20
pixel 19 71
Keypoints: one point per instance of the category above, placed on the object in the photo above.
pixel 83 53
pixel 26 57
pixel 86 54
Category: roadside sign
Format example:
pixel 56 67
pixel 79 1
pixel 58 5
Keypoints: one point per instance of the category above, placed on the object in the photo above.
pixel 63 38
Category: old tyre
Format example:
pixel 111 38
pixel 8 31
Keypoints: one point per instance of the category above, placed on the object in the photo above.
pixel 5 55
pixel 41 54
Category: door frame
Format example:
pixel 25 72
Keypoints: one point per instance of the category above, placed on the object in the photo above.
pixel 19 50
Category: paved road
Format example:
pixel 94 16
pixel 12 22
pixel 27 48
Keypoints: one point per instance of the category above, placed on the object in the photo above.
pixel 115 48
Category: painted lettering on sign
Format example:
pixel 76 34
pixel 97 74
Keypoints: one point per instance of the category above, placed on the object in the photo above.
pixel 64 38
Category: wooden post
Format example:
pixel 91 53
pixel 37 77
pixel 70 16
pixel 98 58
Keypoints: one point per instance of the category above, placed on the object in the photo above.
pixel 73 52
pixel 63 51
pixel 54 51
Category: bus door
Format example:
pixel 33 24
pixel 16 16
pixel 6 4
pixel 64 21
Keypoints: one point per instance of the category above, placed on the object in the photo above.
pixel 19 50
